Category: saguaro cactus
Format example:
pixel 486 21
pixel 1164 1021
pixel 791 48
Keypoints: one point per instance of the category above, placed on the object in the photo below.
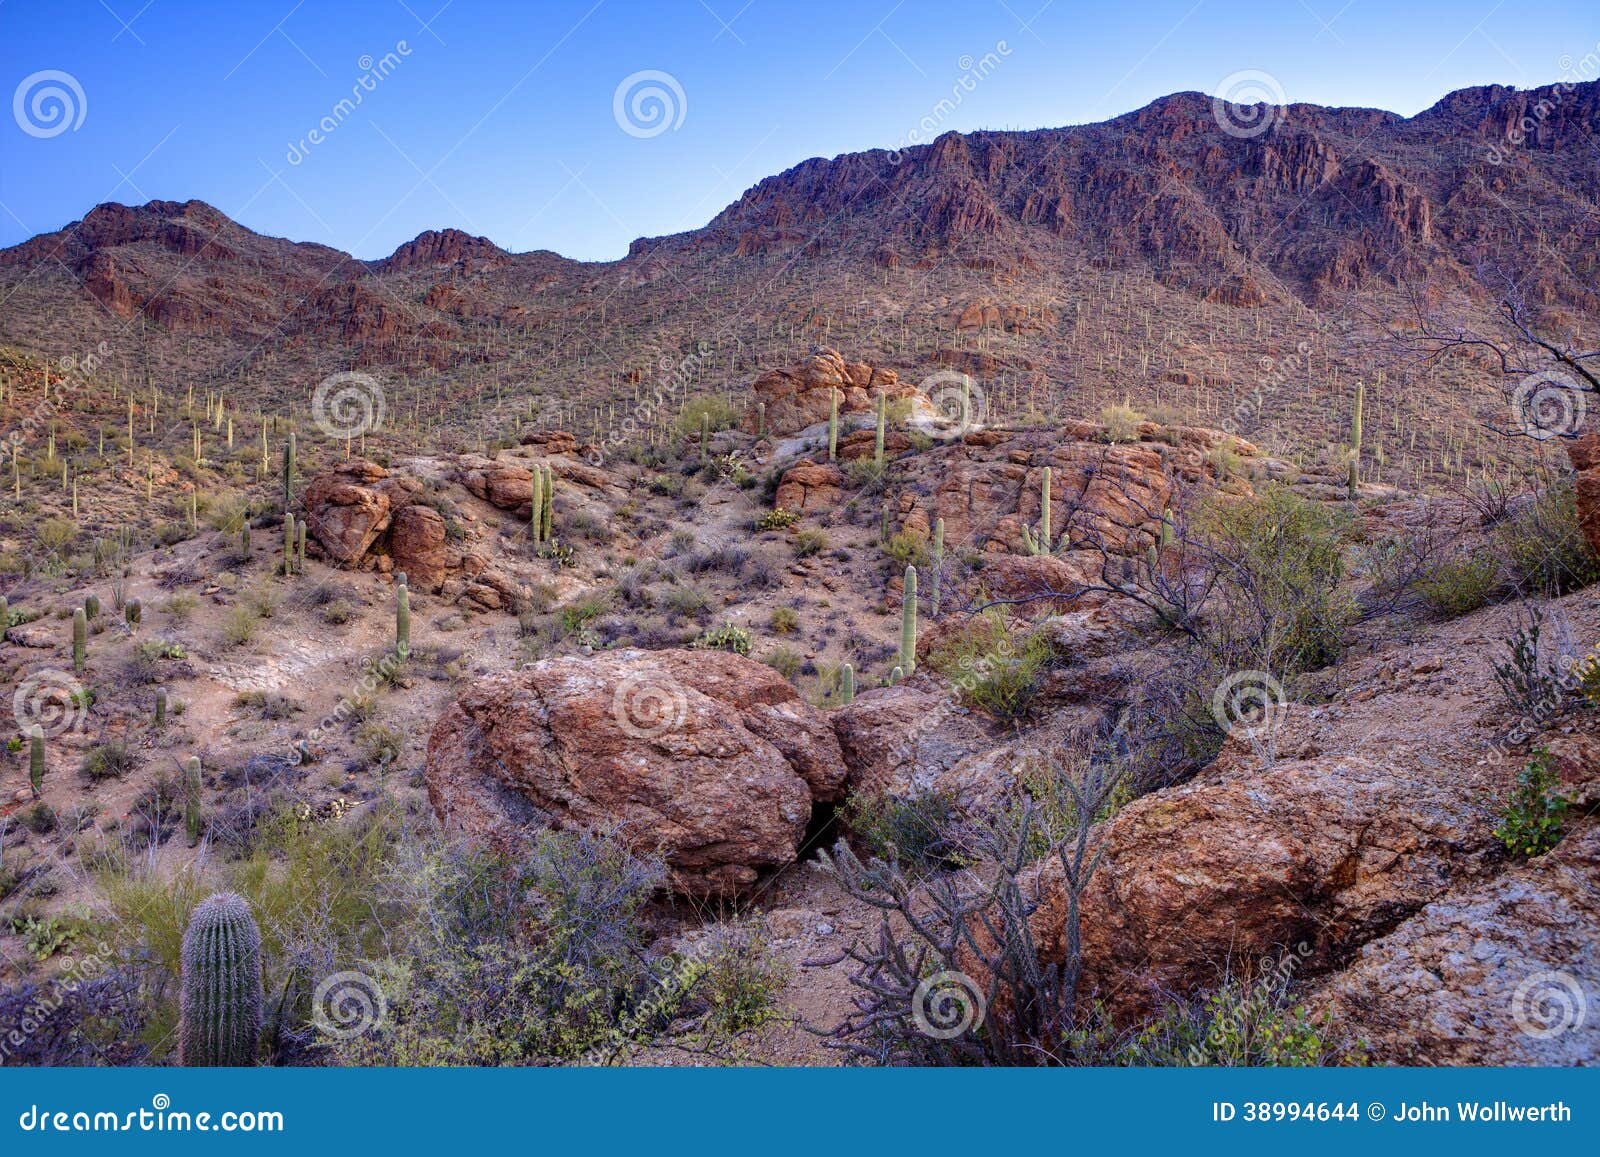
pixel 1041 545
pixel 548 518
pixel 80 638
pixel 1355 442
pixel 36 759
pixel 193 818
pixel 300 546
pixel 536 506
pixel 833 425
pixel 908 622
pixel 132 612
pixel 91 605
pixel 847 684
pixel 288 472
pixel 221 1000
pixel 761 419
pixel 161 706
pixel 877 441
pixel 288 544
pixel 402 620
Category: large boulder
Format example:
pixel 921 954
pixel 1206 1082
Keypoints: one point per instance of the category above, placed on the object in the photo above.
pixel 350 506
pixel 709 759
pixel 1585 455
pixel 801 396
pixel 907 739
pixel 1503 972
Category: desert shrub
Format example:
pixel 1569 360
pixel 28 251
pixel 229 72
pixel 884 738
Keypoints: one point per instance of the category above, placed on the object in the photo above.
pixel 907 549
pixel 270 704
pixel 240 626
pixel 915 830
pixel 337 612
pixel 1277 564
pixel 1543 545
pixel 684 600
pixel 1121 423
pixel 994 669
pixel 809 542
pixel 725 638
pixel 728 558
pixel 957 951
pixel 108 760
pixel 1460 585
pixel 777 519
pixel 55 533
pixel 785 661
pixel 1533 670
pixel 577 615
pixel 1530 824
pixel 180 607
pixel 667 485
pixel 717 412
pixel 739 979
pixel 40 819
pixel 89 1017
pixel 1245 1021
pixel 513 963
pixel 785 620
pixel 379 745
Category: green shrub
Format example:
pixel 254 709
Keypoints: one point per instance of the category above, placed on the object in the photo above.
pixel 1278 561
pixel 994 669
pixel 1460 585
pixel 907 549
pixel 1531 823
pixel 914 830
pixel 739 979
pixel 717 413
pixel 1543 545
pixel 1121 423
pixel 1243 1023
pixel 785 661
pixel 809 542
pixel 240 626
pixel 109 760
pixel 785 620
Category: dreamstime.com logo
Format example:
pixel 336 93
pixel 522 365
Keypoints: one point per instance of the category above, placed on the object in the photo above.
pixel 957 400
pixel 1548 405
pixel 347 1004
pixel 51 700
pixel 48 103
pixel 348 405
pixel 1247 104
pixel 1548 1004
pixel 645 707
pixel 1248 704
pixel 948 1004
pixel 648 103
pixel 160 1117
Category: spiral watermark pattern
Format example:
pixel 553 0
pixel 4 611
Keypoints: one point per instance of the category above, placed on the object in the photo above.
pixel 51 700
pixel 347 1004
pixel 948 1004
pixel 647 708
pixel 1548 405
pixel 348 405
pixel 957 400
pixel 1548 1004
pixel 1248 704
pixel 1248 103
pixel 48 103
pixel 648 103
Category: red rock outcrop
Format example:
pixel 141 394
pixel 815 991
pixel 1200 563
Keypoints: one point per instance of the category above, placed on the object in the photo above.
pixel 709 759
pixel 1585 455
pixel 807 487
pixel 800 396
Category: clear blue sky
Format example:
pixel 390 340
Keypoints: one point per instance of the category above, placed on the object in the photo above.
pixel 497 117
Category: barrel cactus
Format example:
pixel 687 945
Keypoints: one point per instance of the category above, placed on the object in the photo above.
pixel 221 1001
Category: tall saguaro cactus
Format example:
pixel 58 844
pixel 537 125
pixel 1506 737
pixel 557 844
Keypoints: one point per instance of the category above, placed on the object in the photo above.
pixel 833 425
pixel 36 759
pixel 908 623
pixel 193 817
pixel 402 620
pixel 1355 442
pixel 221 1001
pixel 288 472
pixel 80 639
pixel 847 684
pixel 1043 544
